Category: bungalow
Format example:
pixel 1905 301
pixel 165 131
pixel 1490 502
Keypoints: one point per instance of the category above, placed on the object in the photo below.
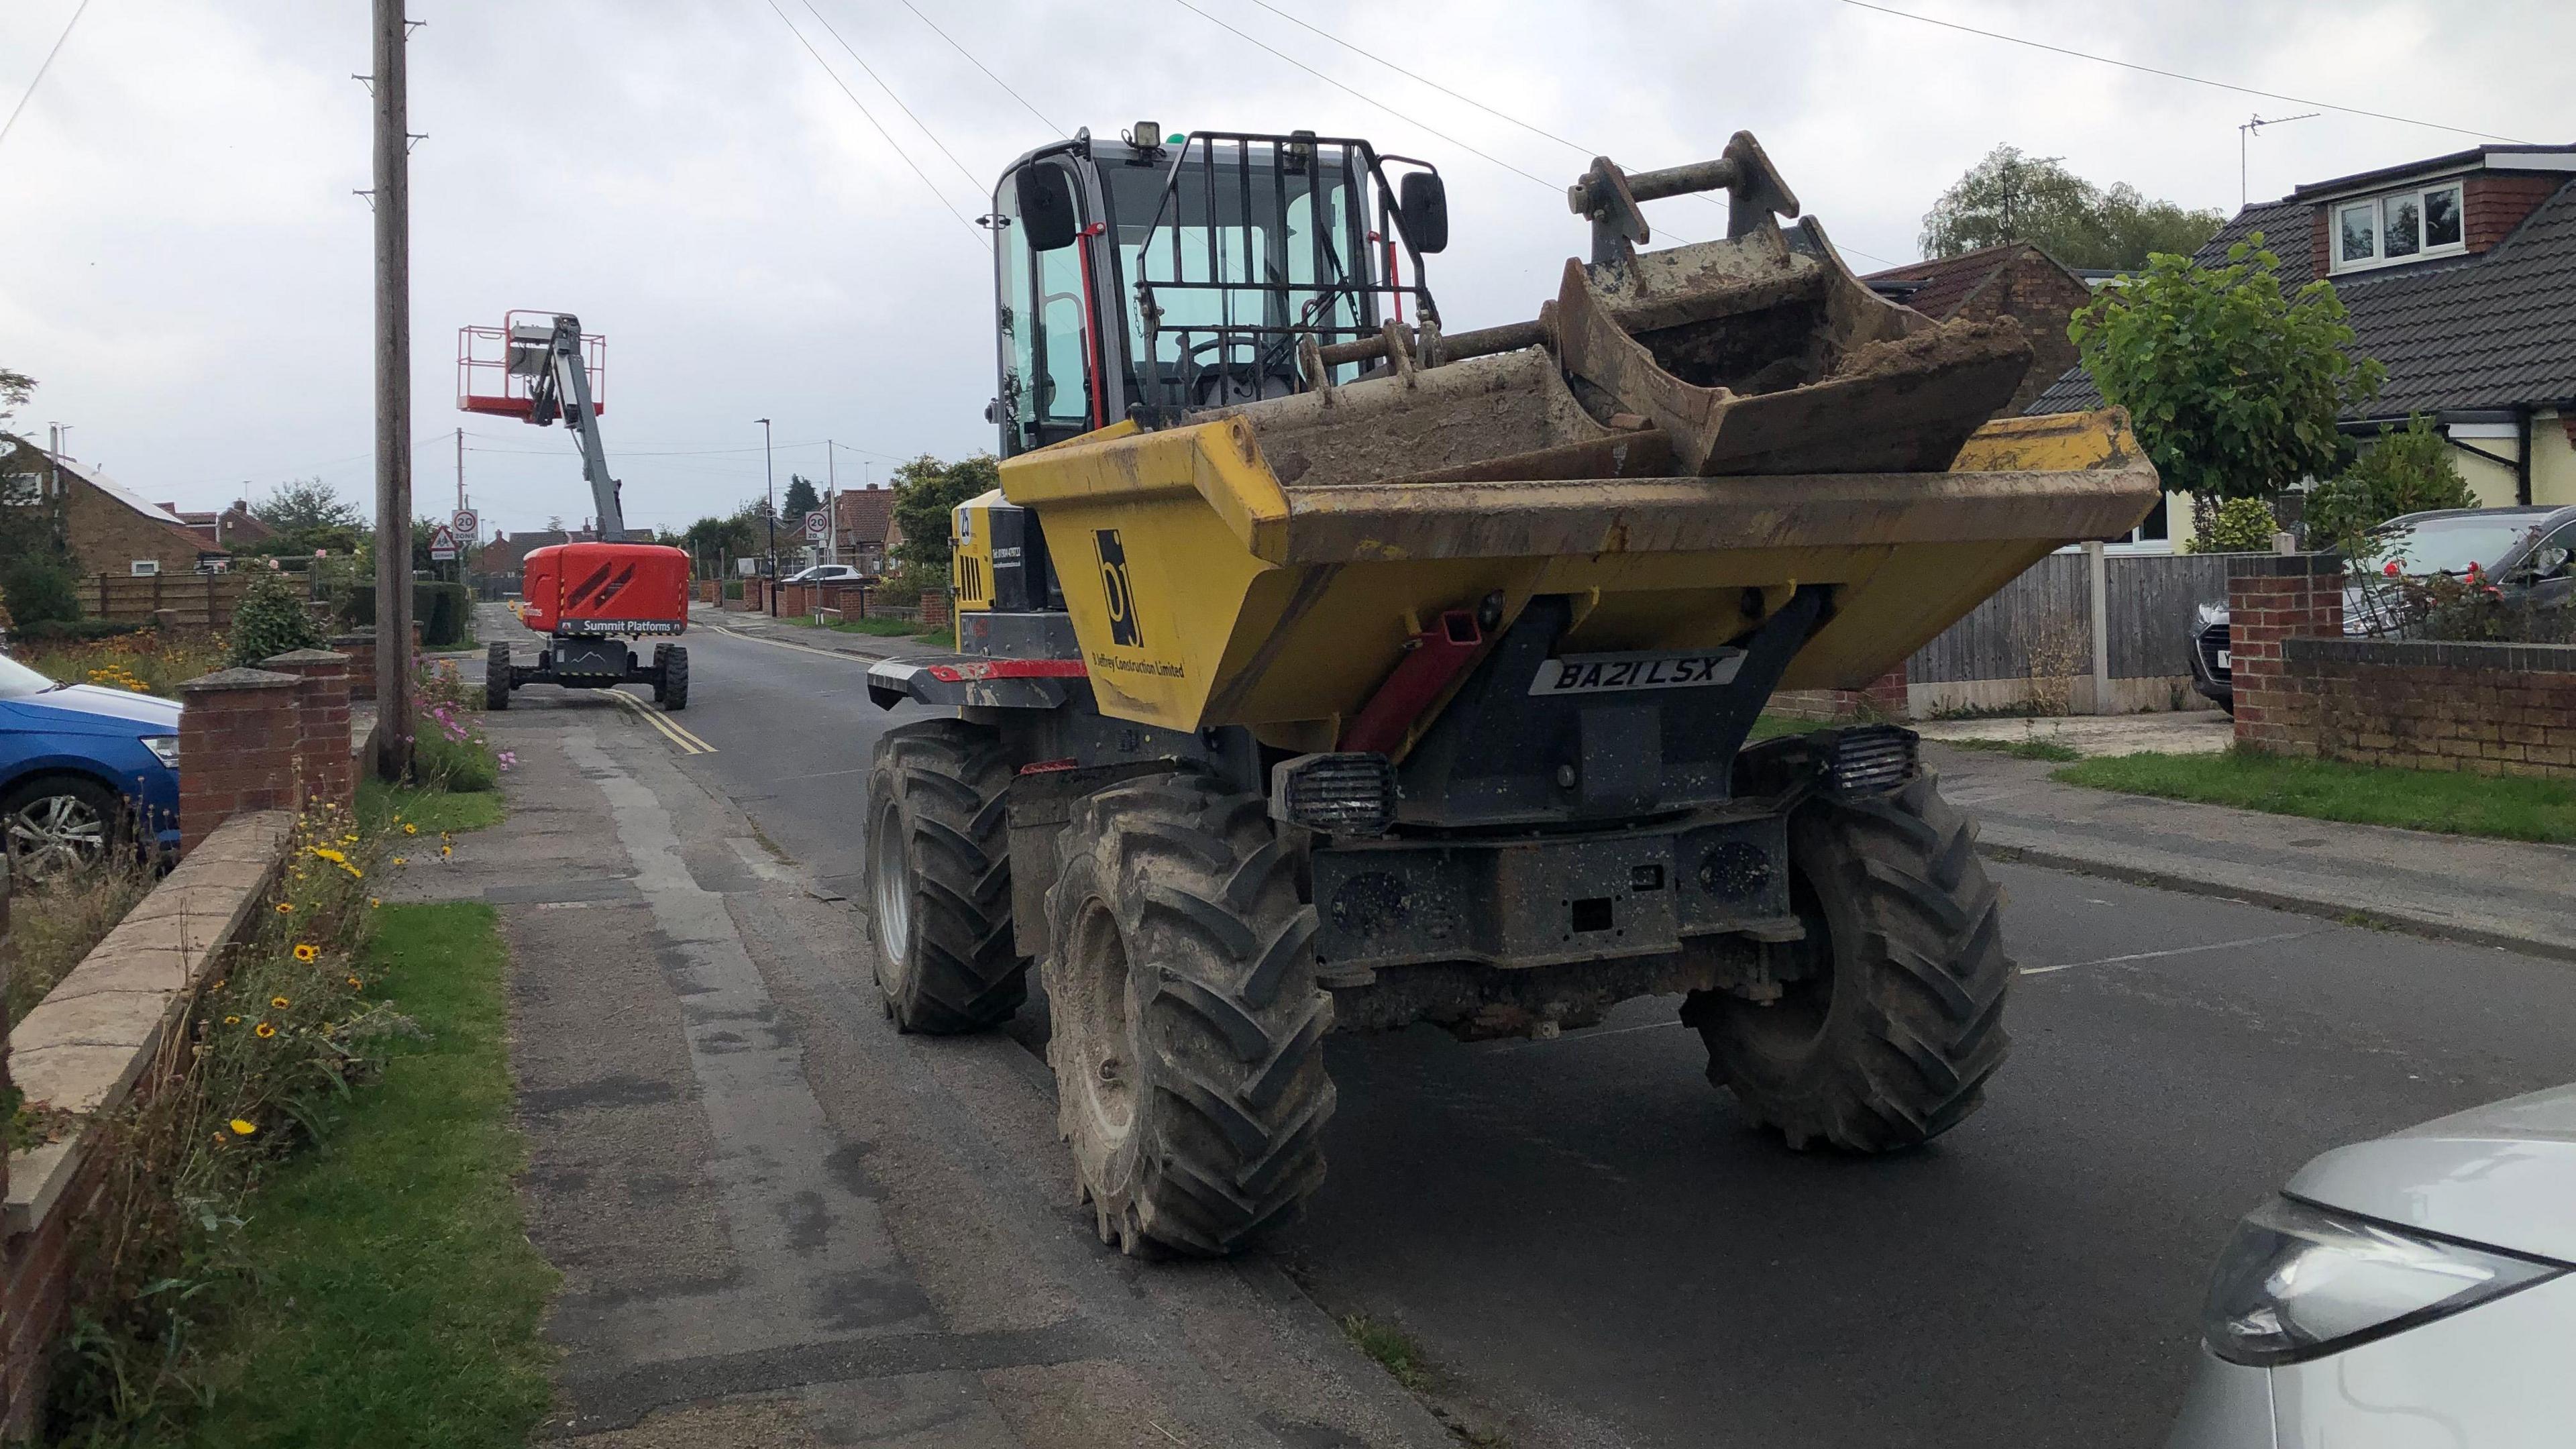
pixel 2459 275
pixel 109 528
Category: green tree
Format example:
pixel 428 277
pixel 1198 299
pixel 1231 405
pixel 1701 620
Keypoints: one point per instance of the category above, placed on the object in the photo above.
pixel 15 389
pixel 40 588
pixel 2010 197
pixel 2241 525
pixel 307 516
pixel 926 494
pixel 801 499
pixel 2232 386
pixel 2405 471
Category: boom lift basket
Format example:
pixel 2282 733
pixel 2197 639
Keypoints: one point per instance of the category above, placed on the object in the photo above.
pixel 497 367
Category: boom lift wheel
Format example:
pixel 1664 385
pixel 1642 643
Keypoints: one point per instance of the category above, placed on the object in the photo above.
pixel 496 676
pixel 1886 1039
pixel 1187 1025
pixel 939 877
pixel 671 676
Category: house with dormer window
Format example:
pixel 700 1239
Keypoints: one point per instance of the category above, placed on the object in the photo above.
pixel 2458 274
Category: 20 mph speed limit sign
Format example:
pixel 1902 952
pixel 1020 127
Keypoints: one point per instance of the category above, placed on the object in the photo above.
pixel 466 524
pixel 817 523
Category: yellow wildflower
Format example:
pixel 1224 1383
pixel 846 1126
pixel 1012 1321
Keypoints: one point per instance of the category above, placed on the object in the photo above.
pixel 375 902
pixel 244 1126
pixel 327 853
pixel 445 851
pixel 353 981
pixel 232 1021
pixel 286 908
pixel 280 1002
pixel 411 830
pixel 398 860
pixel 264 1031
pixel 307 952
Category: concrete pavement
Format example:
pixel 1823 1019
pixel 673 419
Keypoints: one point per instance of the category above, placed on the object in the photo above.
pixel 2484 892
pixel 780 1223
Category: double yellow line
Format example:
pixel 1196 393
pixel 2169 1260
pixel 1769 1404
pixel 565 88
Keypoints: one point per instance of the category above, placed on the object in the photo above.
pixel 689 744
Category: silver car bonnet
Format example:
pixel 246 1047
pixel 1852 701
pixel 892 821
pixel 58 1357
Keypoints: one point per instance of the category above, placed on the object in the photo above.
pixel 2502 1175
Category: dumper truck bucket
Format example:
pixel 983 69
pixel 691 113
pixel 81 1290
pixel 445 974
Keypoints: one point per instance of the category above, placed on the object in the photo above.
pixel 1684 444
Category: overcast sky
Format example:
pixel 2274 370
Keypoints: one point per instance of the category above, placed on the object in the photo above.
pixel 185 270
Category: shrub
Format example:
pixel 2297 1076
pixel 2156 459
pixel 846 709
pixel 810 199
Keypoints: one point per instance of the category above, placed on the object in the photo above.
pixel 40 589
pixel 733 588
pixel 444 611
pixel 270 619
pixel 79 629
pixel 2241 525
pixel 449 749
pixel 2405 472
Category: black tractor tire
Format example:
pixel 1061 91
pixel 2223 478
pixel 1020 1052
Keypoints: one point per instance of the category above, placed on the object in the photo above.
pixel 1889 1038
pixel 496 676
pixel 1186 1023
pixel 671 682
pixel 939 872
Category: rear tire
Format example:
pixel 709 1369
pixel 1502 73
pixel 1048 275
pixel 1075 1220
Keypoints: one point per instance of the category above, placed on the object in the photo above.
pixel 939 871
pixel 496 676
pixel 1187 1025
pixel 661 665
pixel 671 690
pixel 1889 1038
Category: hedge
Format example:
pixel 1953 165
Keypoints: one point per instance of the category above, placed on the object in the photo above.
pixel 443 609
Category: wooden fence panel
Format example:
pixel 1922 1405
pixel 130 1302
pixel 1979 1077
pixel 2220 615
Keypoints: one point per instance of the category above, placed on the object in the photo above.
pixel 201 600
pixel 2151 598
pixel 2046 608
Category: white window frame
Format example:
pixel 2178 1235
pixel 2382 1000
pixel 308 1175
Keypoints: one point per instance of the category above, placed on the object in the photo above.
pixel 143 568
pixel 2378 206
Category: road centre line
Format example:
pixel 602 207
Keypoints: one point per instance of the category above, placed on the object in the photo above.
pixel 2176 951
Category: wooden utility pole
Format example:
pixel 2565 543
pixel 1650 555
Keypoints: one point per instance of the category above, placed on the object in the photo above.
pixel 392 199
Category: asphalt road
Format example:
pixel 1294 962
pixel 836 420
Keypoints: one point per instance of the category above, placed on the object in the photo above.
pixel 1591 1246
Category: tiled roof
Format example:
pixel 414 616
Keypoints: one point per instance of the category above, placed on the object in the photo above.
pixel 864 514
pixel 2495 330
pixel 1947 281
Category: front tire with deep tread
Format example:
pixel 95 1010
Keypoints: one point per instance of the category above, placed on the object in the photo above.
pixel 1888 1041
pixel 673 690
pixel 939 869
pixel 1187 1025
pixel 496 676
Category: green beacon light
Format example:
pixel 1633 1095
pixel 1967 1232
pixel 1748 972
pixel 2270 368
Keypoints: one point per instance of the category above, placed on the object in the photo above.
pixel 1177 139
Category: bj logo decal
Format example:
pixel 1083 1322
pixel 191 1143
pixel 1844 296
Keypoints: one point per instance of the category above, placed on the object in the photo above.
pixel 1114 588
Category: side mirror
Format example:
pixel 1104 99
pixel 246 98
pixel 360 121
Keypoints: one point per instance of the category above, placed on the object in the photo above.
pixel 1046 207
pixel 1422 203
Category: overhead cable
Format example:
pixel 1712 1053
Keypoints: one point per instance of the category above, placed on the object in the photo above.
pixel 971 178
pixel 891 143
pixel 2178 75
pixel 20 108
pixel 1051 126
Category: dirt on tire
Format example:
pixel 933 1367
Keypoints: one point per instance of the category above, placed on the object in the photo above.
pixel 1187 1025
pixel 1891 1042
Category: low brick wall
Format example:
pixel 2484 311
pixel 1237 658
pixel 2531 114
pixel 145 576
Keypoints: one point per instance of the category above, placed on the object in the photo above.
pixel 102 1036
pixel 2488 709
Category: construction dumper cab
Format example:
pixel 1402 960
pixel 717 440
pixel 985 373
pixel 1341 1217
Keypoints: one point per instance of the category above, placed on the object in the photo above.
pixel 1319 665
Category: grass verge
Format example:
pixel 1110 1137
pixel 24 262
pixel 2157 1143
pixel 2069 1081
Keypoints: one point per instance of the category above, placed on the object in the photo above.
pixel 2508 808
pixel 1392 1348
pixel 880 628
pixel 400 1299
pixel 433 810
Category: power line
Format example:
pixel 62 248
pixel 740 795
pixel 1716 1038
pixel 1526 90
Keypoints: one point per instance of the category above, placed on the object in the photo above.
pixel 863 110
pixel 2178 75
pixel 1051 126
pixel 20 108
pixel 971 178
pixel 1362 95
pixel 1575 146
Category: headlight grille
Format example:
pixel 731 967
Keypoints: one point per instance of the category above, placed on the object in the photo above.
pixel 1873 758
pixel 1343 793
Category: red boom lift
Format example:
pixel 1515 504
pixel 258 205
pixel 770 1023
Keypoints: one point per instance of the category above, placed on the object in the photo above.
pixel 585 597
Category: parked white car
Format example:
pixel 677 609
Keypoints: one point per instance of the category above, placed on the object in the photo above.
pixel 2418 1290
pixel 828 574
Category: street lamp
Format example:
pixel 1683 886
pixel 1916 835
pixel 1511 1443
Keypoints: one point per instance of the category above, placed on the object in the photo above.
pixel 771 473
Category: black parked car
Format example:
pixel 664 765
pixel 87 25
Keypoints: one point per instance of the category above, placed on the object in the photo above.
pixel 2528 552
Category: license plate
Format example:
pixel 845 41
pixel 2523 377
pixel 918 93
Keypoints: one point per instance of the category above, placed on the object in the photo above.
pixel 2226 660
pixel 1611 673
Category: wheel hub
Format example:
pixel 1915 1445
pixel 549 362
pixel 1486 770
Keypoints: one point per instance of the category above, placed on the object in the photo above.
pixel 890 886
pixel 56 834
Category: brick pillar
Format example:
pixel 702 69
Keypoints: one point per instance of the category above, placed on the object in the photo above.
pixel 237 748
pixel 2270 598
pixel 934 606
pixel 322 747
pixel 359 649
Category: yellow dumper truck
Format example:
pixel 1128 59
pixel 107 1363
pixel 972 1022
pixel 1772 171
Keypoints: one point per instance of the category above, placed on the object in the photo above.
pixel 1318 666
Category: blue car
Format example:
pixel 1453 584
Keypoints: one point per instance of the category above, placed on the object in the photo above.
pixel 83 769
